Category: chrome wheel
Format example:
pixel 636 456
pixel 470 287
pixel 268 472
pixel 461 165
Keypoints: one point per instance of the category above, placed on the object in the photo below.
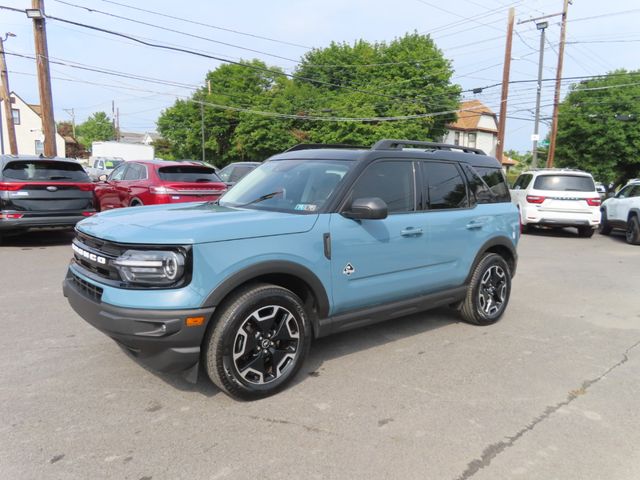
pixel 266 344
pixel 493 291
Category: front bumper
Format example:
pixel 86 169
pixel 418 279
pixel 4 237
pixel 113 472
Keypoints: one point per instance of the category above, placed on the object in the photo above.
pixel 159 339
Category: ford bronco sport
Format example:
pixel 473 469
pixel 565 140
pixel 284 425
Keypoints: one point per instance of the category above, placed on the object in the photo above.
pixel 317 240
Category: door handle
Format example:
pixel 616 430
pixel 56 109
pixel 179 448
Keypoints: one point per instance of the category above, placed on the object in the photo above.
pixel 475 224
pixel 411 232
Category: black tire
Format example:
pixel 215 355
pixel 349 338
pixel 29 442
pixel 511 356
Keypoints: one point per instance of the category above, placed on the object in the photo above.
pixel 585 232
pixel 487 284
pixel 525 228
pixel 276 345
pixel 633 231
pixel 136 203
pixel 604 228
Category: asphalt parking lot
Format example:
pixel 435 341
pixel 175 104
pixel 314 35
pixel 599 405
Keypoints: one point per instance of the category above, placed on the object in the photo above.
pixel 550 392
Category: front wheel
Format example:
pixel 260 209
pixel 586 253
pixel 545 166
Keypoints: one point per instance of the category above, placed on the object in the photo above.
pixel 258 342
pixel 488 291
pixel 633 231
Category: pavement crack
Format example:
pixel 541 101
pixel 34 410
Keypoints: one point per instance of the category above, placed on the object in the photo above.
pixel 495 449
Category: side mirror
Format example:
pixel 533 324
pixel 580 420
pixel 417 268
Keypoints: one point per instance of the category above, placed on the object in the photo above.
pixel 371 208
pixel 103 178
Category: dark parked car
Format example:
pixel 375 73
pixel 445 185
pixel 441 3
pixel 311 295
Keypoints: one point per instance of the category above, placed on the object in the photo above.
pixel 234 172
pixel 151 182
pixel 42 193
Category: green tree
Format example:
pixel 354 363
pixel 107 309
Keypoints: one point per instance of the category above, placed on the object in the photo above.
pixel 410 77
pixel 599 127
pixel 97 128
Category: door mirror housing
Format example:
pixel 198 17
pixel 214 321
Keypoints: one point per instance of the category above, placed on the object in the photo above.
pixel 370 208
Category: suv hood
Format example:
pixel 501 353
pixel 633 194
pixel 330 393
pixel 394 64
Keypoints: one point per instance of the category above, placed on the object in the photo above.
pixel 191 223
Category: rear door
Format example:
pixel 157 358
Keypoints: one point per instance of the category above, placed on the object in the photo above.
pixel 46 187
pixel 618 207
pixel 127 187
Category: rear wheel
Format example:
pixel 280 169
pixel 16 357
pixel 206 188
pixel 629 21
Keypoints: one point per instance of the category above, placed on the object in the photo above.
pixel 258 342
pixel 585 232
pixel 633 231
pixel 488 291
pixel 604 228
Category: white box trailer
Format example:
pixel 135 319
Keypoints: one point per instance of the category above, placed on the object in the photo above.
pixel 126 151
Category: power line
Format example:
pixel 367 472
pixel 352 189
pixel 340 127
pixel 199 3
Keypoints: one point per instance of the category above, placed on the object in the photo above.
pixel 194 22
pixel 167 29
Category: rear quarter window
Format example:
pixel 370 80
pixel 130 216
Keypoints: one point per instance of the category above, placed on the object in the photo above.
pixel 565 183
pixel 493 180
pixel 188 173
pixel 45 170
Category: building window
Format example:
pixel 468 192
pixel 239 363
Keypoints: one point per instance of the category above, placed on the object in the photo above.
pixel 39 147
pixel 456 138
pixel 472 140
pixel 15 113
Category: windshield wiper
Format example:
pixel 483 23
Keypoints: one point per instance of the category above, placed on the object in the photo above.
pixel 262 198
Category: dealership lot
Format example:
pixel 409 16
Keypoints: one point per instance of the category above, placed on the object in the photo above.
pixel 548 392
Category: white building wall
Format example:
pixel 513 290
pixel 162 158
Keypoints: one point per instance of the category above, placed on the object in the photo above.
pixel 29 130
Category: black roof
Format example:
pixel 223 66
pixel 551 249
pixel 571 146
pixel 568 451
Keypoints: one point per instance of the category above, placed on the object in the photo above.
pixel 393 149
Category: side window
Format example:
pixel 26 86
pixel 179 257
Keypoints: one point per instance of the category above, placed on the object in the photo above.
pixel 494 179
pixel 625 192
pixel 444 186
pixel 392 181
pixel 134 172
pixel 118 173
pixel 523 181
pixel 635 192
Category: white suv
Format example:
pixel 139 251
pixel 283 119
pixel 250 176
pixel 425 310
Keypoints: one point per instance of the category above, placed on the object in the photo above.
pixel 557 198
pixel 623 211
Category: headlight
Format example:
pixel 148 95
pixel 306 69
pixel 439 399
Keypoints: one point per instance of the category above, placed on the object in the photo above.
pixel 149 267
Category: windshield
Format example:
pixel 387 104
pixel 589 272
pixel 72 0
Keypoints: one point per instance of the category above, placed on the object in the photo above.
pixel 188 173
pixel 45 170
pixel 301 186
pixel 565 183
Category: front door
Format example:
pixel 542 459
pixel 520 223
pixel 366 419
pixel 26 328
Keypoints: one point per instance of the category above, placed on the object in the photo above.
pixel 380 261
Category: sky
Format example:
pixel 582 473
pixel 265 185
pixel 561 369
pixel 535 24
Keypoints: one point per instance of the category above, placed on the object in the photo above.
pixel 601 37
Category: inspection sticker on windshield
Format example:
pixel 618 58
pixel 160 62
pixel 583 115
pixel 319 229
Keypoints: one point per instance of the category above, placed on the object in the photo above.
pixel 306 207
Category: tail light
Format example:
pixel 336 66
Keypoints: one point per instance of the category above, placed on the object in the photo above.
pixel 88 214
pixel 11 216
pixel 593 202
pixel 86 187
pixel 10 187
pixel 162 190
pixel 535 199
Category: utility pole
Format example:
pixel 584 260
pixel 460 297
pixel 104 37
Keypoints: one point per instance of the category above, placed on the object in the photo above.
pixel 556 97
pixel 505 86
pixel 202 128
pixel 536 136
pixel 117 124
pixel 44 76
pixel 5 95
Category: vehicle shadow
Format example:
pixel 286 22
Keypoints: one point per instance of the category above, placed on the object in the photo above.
pixel 553 232
pixel 37 239
pixel 335 346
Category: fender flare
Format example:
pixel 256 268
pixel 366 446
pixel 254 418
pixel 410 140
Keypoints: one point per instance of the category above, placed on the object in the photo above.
pixel 266 268
pixel 494 242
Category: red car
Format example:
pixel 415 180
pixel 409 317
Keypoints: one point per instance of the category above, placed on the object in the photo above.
pixel 150 182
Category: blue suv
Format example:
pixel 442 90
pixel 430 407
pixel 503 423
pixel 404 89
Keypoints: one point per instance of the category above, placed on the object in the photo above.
pixel 317 240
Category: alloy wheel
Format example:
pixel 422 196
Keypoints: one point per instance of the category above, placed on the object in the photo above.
pixel 493 291
pixel 266 344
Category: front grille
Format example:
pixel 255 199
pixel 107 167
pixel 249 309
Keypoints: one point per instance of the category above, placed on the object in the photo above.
pixel 99 248
pixel 88 289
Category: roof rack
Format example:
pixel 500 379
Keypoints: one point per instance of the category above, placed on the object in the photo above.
pixel 388 144
pixel 556 169
pixel 314 146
